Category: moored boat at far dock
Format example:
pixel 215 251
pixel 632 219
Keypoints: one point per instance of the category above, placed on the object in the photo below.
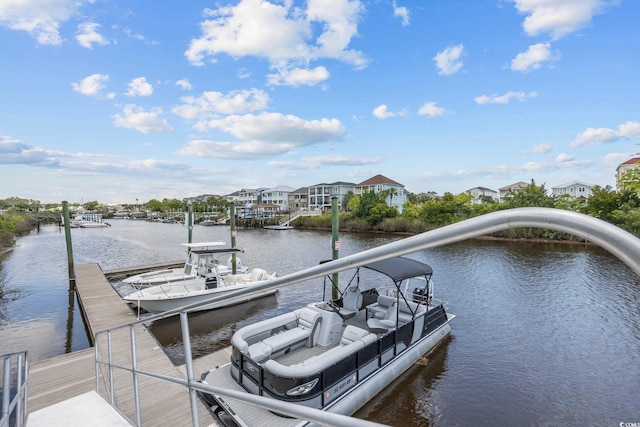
pixel 201 256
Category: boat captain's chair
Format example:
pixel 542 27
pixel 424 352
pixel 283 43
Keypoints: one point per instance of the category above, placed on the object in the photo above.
pixel 351 302
pixel 387 322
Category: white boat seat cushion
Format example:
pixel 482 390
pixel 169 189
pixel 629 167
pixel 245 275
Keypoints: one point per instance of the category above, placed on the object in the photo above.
pixel 379 309
pixel 352 298
pixel 387 322
pixel 351 334
pixel 316 364
pixel 303 334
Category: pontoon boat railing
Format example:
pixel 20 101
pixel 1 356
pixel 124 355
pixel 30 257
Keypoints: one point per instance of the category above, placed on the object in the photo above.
pixel 620 243
pixel 15 374
pixel 107 368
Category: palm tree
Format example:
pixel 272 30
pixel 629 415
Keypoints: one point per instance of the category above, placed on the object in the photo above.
pixel 391 192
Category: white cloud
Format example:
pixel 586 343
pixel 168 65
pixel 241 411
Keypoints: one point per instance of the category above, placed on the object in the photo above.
pixel 402 13
pixel 533 58
pixel 558 17
pixel 92 85
pixel 134 117
pixel 17 152
pixel 212 104
pixel 613 160
pixel 40 18
pixel 562 162
pixel 382 112
pixel 564 157
pixel 314 162
pixel 283 34
pixel 504 99
pixel 299 77
pixel 541 148
pixel 449 60
pixel 263 135
pixel 232 150
pixel 88 35
pixel 431 109
pixel 139 87
pixel 598 136
pixel 184 84
pixel 279 128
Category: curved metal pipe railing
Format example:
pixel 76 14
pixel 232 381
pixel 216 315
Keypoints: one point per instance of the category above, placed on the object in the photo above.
pixel 620 243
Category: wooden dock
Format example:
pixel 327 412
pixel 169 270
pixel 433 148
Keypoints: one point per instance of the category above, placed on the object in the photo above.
pixel 121 273
pixel 61 378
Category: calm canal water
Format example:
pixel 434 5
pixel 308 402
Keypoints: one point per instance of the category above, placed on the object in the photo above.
pixel 544 334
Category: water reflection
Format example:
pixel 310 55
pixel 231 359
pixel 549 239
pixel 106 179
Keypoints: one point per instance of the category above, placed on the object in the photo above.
pixel 412 399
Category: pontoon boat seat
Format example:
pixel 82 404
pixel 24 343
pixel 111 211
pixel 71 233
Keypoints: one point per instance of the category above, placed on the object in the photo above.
pixel 276 345
pixel 379 309
pixel 352 334
pixel 351 302
pixel 353 339
pixel 408 309
pixel 388 321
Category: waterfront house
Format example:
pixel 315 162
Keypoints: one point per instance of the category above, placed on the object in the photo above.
pixel 396 193
pixel 508 191
pixel 320 194
pixel 574 189
pixel 480 195
pixel 299 199
pixel 624 168
pixel 249 196
pixel 278 196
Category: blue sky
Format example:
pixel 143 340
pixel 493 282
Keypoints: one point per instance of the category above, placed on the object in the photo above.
pixel 116 101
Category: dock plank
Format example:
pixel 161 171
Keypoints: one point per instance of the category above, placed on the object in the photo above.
pixel 61 378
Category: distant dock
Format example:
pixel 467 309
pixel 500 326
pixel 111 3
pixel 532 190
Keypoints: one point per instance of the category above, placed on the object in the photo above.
pixel 120 273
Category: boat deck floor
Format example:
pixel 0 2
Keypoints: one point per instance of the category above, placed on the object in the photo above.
pixel 303 353
pixel 250 414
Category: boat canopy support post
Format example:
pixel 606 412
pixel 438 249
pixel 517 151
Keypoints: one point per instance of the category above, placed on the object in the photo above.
pixel 232 221
pixel 190 221
pixel 335 243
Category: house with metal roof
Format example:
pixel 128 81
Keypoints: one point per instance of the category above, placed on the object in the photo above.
pixel 479 195
pixel 508 191
pixel 574 189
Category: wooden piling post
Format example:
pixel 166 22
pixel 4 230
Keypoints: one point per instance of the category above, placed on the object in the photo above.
pixel 67 236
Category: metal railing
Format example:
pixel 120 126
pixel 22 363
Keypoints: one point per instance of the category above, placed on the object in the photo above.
pixel 620 243
pixel 15 373
pixel 107 369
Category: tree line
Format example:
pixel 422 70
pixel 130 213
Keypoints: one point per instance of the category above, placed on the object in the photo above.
pixel 371 212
